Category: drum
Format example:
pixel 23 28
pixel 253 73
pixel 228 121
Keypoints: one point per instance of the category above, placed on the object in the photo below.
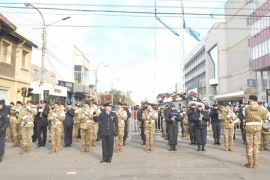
pixel 266 128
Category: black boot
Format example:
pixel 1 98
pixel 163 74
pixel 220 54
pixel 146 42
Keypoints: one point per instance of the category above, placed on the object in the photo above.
pixel 1 157
pixel 199 147
pixel 218 143
pixel 215 142
pixel 171 148
pixel 144 143
pixel 174 147
pixel 191 142
pixel 203 149
pixel 195 142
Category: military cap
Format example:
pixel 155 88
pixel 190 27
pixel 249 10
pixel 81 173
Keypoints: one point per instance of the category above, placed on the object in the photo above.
pixel 215 105
pixel 193 104
pixel 69 103
pixel 107 104
pixel 2 102
pixel 199 105
pixel 12 103
pixel 18 102
pixel 43 102
pixel 29 101
pixel 56 103
pixel 173 105
pixel 253 97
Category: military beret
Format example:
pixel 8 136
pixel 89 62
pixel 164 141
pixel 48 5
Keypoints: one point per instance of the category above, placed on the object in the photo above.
pixel 200 105
pixel 18 102
pixel 253 97
pixel 215 105
pixel 193 104
pixel 12 103
pixel 107 104
pixel 29 101
pixel 2 102
pixel 69 103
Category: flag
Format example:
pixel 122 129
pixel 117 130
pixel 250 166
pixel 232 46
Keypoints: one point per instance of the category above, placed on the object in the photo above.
pixel 189 30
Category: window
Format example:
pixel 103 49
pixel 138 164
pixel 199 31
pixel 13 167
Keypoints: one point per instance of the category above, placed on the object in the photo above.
pixel 6 52
pixel 25 59
pixel 77 68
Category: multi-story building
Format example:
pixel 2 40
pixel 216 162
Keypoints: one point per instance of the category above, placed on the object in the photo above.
pixel 259 21
pixel 15 61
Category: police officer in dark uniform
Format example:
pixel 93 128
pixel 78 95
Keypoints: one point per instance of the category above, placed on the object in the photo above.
pixel 4 122
pixel 140 112
pixel 126 122
pixel 172 119
pixel 241 116
pixel 191 125
pixel 166 113
pixel 200 118
pixel 108 129
pixel 216 125
pixel 34 137
pixel 42 123
pixel 68 125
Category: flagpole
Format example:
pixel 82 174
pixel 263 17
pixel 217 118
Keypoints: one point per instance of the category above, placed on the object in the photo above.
pixel 183 52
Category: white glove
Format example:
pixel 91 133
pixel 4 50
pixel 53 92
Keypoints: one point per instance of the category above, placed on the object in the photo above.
pixel 184 112
pixel 266 121
pixel 25 117
pixel 18 110
pixel 85 113
pixel 40 110
pixel 27 107
pixel 54 115
pixel 76 111
pixel 150 114
pixel 83 116
pixel 228 116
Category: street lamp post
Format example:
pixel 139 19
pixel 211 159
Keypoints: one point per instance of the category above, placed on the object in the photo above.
pixel 44 43
pixel 96 78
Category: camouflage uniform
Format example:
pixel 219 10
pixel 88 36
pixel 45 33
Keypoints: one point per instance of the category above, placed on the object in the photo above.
pixel 122 117
pixel 76 125
pixel 149 116
pixel 94 129
pixel 227 117
pixel 9 129
pixel 254 115
pixel 56 116
pixel 16 128
pixel 27 115
pixel 263 135
pixel 185 124
pixel 164 128
pixel 86 127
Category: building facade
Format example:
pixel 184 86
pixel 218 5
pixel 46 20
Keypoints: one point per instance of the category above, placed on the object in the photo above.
pixel 15 62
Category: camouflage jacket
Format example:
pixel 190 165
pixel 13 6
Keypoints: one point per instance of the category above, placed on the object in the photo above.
pixel 57 116
pixel 27 116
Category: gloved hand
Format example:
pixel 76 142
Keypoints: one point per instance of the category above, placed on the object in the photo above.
pixel 24 117
pixel 18 110
pixel 1 132
pixel 54 115
pixel 27 107
pixel 86 113
pixel 228 116
pixel 116 134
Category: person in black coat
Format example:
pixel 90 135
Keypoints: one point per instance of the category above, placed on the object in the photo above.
pixel 68 125
pixel 108 129
pixel 34 137
pixel 172 119
pixel 200 119
pixel 42 123
pixel 191 125
pixel 140 112
pixel 216 125
pixel 125 106
pixel 241 116
pixel 4 122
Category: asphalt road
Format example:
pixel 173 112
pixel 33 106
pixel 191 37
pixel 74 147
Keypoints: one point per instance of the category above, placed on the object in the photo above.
pixel 134 162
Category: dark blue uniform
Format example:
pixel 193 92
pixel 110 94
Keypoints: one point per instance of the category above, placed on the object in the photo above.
pixel 216 125
pixel 191 125
pixel 108 128
pixel 200 127
pixel 68 127
pixel 166 113
pixel 172 127
pixel 126 126
pixel 4 122
pixel 242 126
pixel 42 124
pixel 142 123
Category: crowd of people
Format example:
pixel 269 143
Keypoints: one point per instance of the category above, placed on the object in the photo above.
pixel 91 122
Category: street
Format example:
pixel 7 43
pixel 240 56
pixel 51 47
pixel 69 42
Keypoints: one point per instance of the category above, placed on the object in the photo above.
pixel 134 162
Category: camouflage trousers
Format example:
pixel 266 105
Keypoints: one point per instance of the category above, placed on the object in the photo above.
pixel 149 135
pixel 186 131
pixel 10 133
pixel 17 130
pixel 75 132
pixel 119 137
pixel 264 140
pixel 95 131
pixel 164 128
pixel 56 133
pixel 27 133
pixel 228 137
pixel 253 143
pixel 85 136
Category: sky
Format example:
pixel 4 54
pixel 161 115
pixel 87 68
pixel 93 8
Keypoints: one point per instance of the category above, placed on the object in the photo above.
pixel 140 54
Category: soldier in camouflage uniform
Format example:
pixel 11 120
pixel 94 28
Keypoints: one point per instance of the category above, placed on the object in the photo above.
pixel 94 130
pixel 185 123
pixel 9 137
pixel 254 115
pixel 56 116
pixel 227 117
pixel 122 117
pixel 76 123
pixel 27 115
pixel 149 117
pixel 16 124
pixel 263 135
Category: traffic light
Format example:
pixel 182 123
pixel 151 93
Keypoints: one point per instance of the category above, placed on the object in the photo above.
pixel 30 92
pixel 24 92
